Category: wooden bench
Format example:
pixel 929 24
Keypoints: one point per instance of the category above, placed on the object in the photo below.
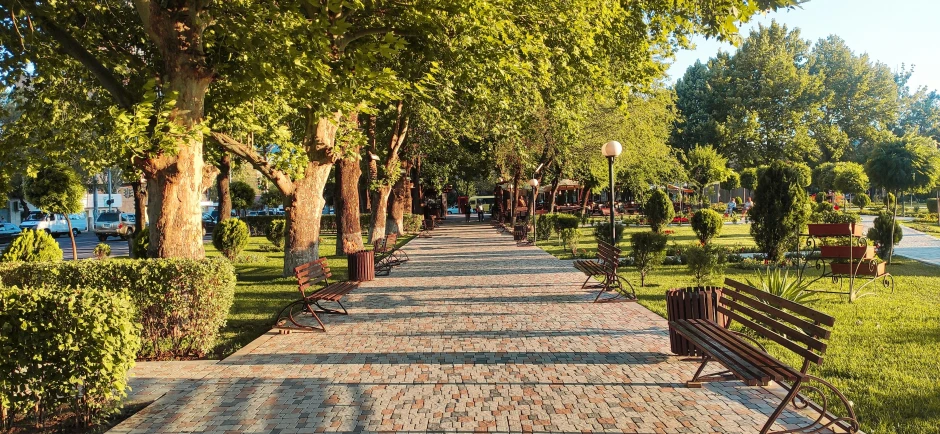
pixel 308 275
pixel 387 254
pixel 792 326
pixel 605 268
pixel 427 225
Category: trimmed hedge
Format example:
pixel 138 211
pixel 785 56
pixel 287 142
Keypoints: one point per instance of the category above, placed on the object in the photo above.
pixel 277 229
pixel 181 304
pixel 412 223
pixel 707 225
pixel 602 232
pixel 64 347
pixel 32 246
pixel 258 225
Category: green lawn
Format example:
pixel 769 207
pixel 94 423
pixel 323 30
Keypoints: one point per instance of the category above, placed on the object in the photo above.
pixel 732 235
pixel 261 292
pixel 883 354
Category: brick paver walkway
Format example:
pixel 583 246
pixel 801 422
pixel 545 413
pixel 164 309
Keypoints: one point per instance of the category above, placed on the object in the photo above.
pixel 474 334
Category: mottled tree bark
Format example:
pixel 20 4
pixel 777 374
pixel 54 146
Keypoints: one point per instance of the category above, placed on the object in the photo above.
pixel 346 199
pixel 397 206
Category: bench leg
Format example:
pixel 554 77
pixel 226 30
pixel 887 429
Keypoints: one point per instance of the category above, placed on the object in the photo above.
pixel 773 417
pixel 293 311
pixel 613 282
pixel 332 311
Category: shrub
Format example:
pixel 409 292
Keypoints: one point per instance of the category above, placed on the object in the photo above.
pixel 276 231
pixel 230 237
pixel 602 232
pixel 545 226
pixel 781 285
pixel 823 207
pixel 739 201
pixel 819 197
pixel 659 210
pixel 102 251
pixel 780 210
pixel 705 262
pixel 889 200
pixel 141 244
pixel 861 200
pixel 566 221
pixel 706 224
pixel 880 233
pixel 181 303
pixel 931 206
pixel 32 246
pixel 412 223
pixel 649 250
pixel 570 238
pixel 65 347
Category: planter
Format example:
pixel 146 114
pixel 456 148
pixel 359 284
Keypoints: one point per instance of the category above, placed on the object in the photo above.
pixel 691 303
pixel 835 230
pixel 845 252
pixel 865 268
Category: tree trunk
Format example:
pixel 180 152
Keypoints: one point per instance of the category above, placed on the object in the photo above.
pixel 515 199
pixel 894 219
pixel 397 205
pixel 586 195
pixel 555 186
pixel 303 209
pixel 223 179
pixel 417 193
pixel 346 200
pixel 140 213
pixel 68 222
pixel 379 213
pixel 173 205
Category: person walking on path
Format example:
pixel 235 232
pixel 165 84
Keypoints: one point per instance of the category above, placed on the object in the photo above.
pixel 479 213
pixel 466 211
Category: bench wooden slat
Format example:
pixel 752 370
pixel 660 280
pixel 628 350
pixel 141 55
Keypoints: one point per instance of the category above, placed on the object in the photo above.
pixel 759 358
pixel 774 300
pixel 763 331
pixel 783 330
pixel 815 330
pixel 737 367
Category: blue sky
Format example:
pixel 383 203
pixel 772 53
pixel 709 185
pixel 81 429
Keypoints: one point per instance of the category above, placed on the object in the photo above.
pixel 892 32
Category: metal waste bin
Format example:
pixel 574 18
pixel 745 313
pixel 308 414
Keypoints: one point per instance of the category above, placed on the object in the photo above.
pixel 361 265
pixel 691 303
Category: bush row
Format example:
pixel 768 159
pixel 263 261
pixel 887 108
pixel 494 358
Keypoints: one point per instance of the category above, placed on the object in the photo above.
pixel 64 348
pixel 180 304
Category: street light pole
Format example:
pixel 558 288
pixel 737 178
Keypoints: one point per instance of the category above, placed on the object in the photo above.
pixel 534 183
pixel 611 150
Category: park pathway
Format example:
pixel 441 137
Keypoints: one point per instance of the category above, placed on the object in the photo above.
pixel 473 334
pixel 914 244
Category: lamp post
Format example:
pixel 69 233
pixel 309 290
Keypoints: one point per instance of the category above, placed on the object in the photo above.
pixel 534 183
pixel 611 150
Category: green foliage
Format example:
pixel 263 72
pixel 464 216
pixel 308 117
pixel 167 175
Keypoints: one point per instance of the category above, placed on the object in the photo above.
pixel 102 250
pixel 412 223
pixel 861 200
pixel 850 178
pixel 271 198
pixel 705 166
pixel 832 216
pixel 732 182
pixel 931 205
pixel 904 164
pixel 649 250
pixel 880 234
pixel 707 225
pixel 570 238
pixel 659 210
pixel 32 246
pixel 181 304
pixel 230 237
pixel 243 195
pixel 705 262
pixel 141 244
pixel 889 200
pixel 56 189
pixel 777 281
pixel 780 210
pixel 740 201
pixel 275 232
pixel 824 177
pixel 64 346
pixel 749 178
pixel 545 225
pixel 567 221
pixel 602 232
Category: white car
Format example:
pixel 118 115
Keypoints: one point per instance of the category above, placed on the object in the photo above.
pixel 55 224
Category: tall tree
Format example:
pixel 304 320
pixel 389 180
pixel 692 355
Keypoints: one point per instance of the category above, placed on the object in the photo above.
pixel 705 167
pixel 56 189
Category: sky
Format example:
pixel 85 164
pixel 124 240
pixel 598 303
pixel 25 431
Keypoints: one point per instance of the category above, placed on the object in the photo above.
pixel 894 32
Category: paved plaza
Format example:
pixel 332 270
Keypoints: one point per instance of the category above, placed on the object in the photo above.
pixel 473 334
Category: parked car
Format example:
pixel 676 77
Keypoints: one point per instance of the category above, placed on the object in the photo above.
pixel 453 210
pixel 115 224
pixel 208 224
pixel 9 231
pixel 54 224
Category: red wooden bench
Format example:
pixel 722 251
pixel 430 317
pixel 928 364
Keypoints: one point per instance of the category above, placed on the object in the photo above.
pixel 605 267
pixel 308 275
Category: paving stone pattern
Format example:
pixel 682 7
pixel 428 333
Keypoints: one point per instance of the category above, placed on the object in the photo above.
pixel 473 334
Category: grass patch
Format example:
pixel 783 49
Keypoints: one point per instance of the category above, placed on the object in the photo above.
pixel 262 292
pixel 732 235
pixel 883 351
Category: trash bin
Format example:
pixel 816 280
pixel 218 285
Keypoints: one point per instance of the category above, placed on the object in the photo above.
pixel 691 303
pixel 519 233
pixel 361 266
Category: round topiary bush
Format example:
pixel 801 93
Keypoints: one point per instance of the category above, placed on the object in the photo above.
pixel 230 237
pixel 32 246
pixel 880 233
pixel 659 210
pixel 276 231
pixel 102 251
pixel 141 244
pixel 931 205
pixel 707 225
pixel 862 200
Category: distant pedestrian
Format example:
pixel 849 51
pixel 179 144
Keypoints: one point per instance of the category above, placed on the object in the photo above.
pixel 466 211
pixel 480 213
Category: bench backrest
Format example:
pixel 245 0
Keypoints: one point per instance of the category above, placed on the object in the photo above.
pixel 381 245
pixel 791 325
pixel 607 254
pixel 311 273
